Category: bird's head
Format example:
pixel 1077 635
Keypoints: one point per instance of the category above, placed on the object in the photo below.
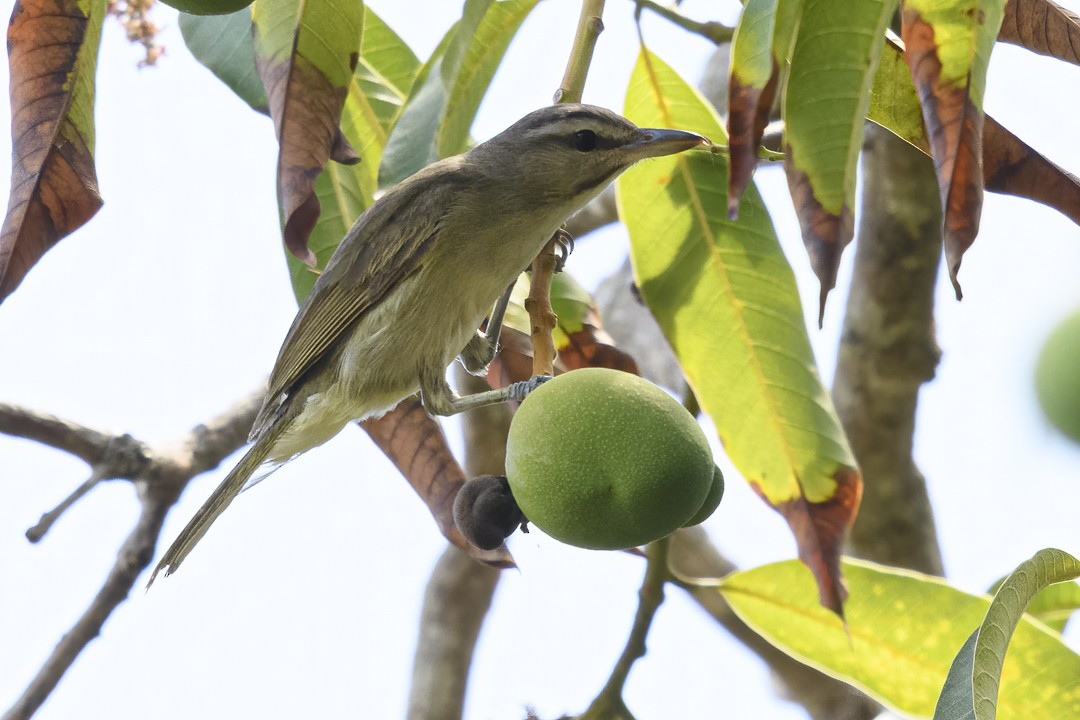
pixel 567 153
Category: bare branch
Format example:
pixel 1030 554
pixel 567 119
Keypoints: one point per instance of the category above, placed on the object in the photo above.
pixel 887 351
pixel 73 438
pixel 456 601
pixel 159 475
pixel 38 531
pixel 208 444
pixel 135 554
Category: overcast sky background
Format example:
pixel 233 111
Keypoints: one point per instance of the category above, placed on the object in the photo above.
pixel 172 303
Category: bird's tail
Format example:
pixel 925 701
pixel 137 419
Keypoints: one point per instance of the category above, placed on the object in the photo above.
pixel 229 488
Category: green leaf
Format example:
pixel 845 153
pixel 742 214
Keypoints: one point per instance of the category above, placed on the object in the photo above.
pixel 726 299
pixel 903 630
pixel 894 104
pixel 989 651
pixel 837 48
pixel 223 44
pixel 387 69
pixel 1053 605
pixel 436 120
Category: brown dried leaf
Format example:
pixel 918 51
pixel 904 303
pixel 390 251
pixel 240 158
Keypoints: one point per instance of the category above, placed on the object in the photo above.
pixel 825 235
pixel 52 53
pixel 1012 167
pixel 820 529
pixel 1042 27
pixel 415 443
pixel 306 108
pixel 748 114
pixel 955 127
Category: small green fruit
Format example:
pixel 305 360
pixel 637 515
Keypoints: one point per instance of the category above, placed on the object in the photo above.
pixel 602 459
pixel 208 7
pixel 1057 377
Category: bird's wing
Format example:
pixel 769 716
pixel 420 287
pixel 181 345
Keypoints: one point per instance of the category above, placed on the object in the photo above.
pixel 385 246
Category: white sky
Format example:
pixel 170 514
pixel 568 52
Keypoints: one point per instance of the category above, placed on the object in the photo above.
pixel 303 600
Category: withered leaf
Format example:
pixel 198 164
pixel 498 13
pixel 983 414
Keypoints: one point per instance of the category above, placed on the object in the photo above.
pixel 825 235
pixel 415 443
pixel 52 53
pixel 1042 27
pixel 305 56
pixel 1012 167
pixel 820 529
pixel 748 114
pixel 955 128
pixel 1009 165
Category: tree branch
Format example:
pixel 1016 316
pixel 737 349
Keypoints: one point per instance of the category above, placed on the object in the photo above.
pixel 887 351
pixel 159 476
pixel 459 592
pixel 134 556
pixel 85 443
pixel 609 704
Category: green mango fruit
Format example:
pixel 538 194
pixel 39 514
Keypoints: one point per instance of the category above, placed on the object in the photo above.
pixel 1057 377
pixel 605 460
pixel 208 7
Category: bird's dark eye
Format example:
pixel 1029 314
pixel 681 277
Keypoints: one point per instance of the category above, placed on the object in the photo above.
pixel 584 140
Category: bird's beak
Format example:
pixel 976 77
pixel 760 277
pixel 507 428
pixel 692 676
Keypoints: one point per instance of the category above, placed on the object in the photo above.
pixel 652 142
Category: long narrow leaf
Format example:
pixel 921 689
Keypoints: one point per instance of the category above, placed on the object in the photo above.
pixel 947 47
pixel 837 49
pixel 726 300
pixel 436 120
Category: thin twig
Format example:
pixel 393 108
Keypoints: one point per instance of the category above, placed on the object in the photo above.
pixel 714 31
pixel 134 556
pixel 590 25
pixel 609 704
pixel 542 318
pixel 38 531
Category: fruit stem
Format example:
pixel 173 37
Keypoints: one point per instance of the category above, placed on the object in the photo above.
pixel 609 704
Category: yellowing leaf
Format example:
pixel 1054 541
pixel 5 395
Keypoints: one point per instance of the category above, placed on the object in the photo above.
pixel 903 630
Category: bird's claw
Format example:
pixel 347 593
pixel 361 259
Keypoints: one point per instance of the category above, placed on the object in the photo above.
pixel 520 390
pixel 564 244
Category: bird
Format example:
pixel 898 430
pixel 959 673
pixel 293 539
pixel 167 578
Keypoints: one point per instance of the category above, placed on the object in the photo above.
pixel 411 283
